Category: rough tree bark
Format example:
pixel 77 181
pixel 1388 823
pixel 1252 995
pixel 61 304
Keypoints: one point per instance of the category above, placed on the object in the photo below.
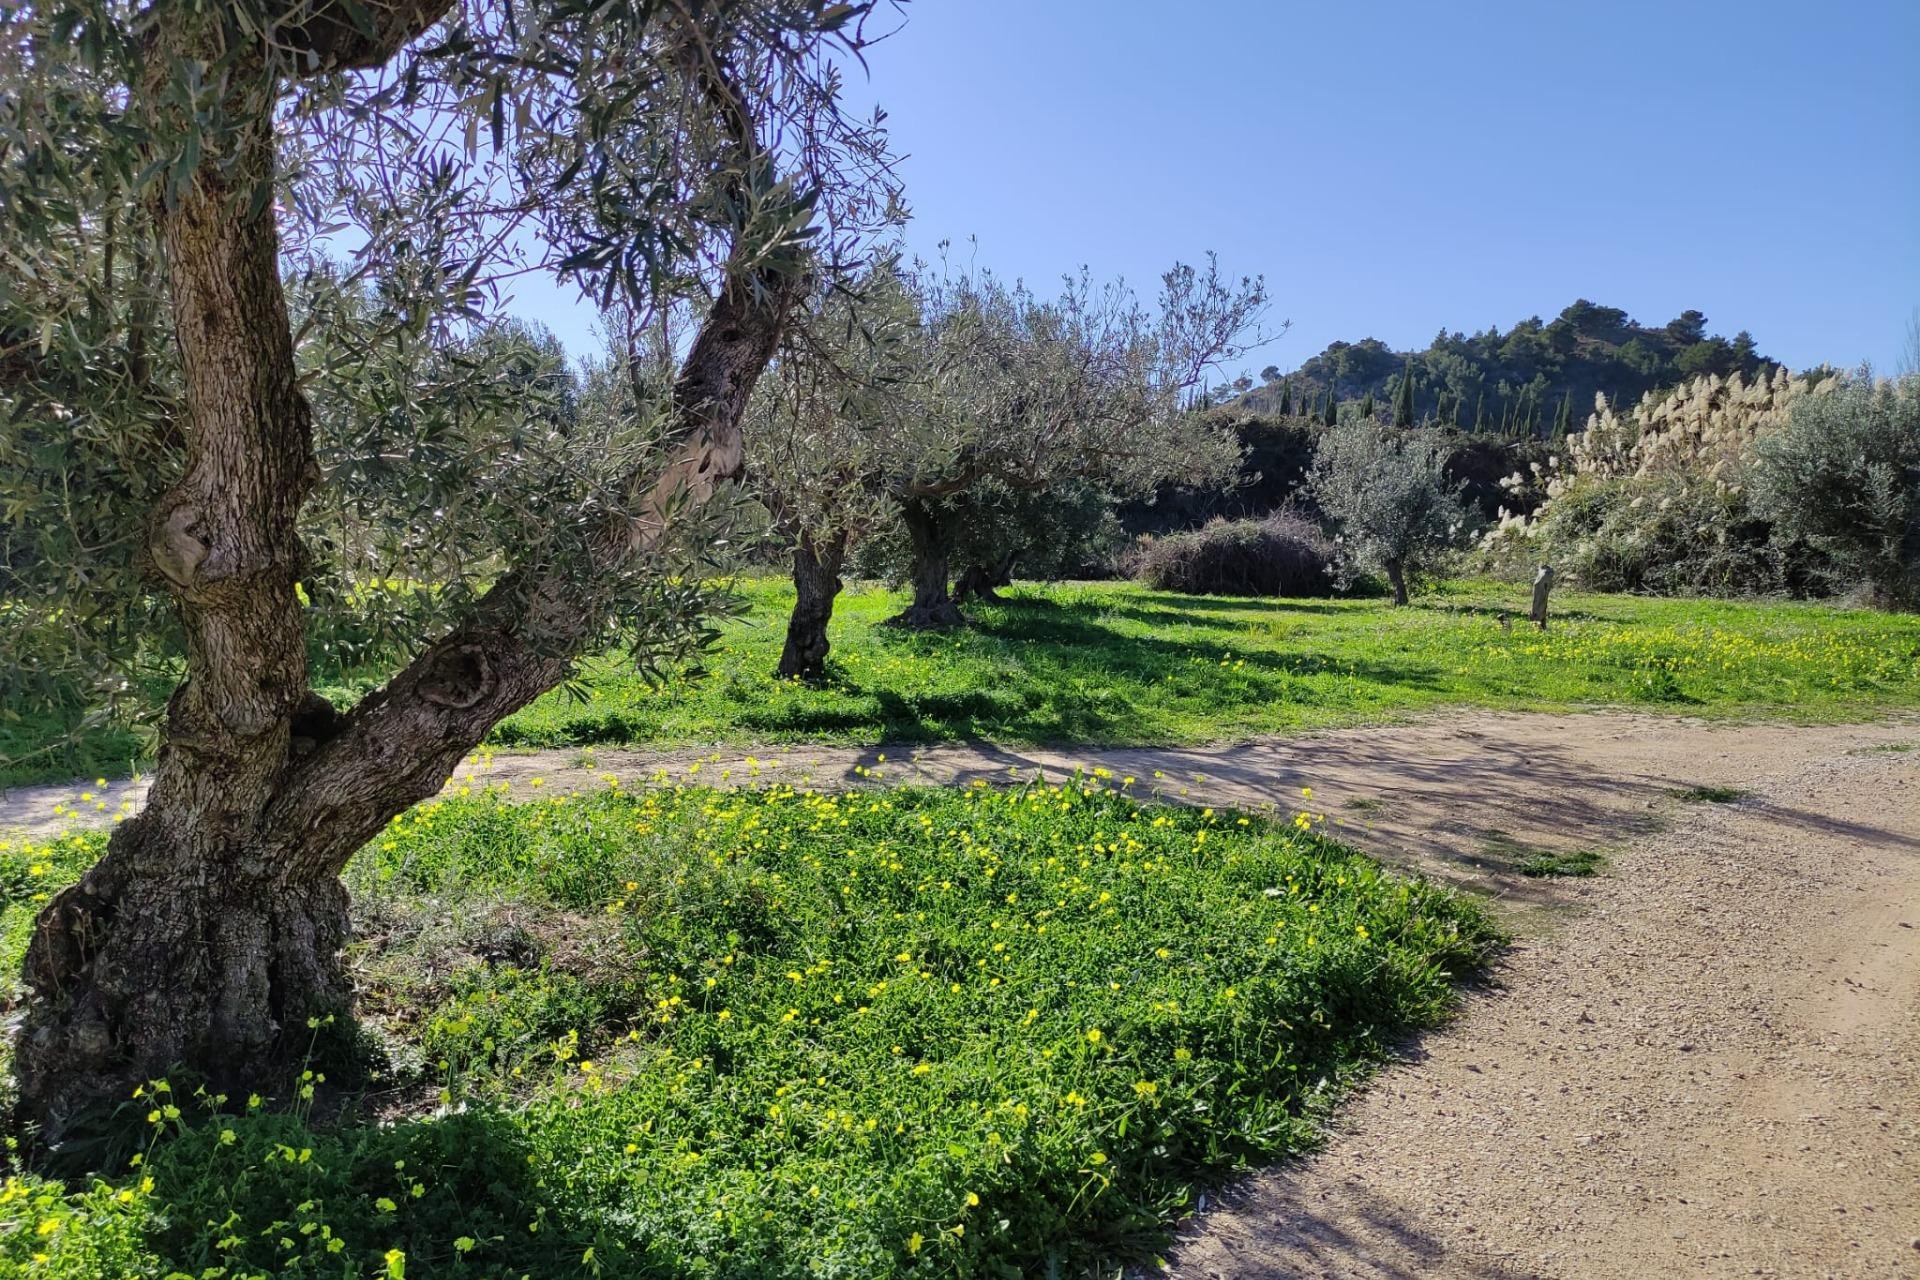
pixel 210 930
pixel 816 582
pixel 1397 578
pixel 932 607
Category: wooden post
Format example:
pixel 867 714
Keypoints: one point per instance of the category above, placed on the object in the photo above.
pixel 1542 584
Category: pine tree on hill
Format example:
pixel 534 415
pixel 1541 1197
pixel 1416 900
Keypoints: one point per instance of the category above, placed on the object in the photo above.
pixel 1586 350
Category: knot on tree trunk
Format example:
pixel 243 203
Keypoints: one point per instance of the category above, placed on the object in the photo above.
pixel 70 929
pixel 175 545
pixel 459 677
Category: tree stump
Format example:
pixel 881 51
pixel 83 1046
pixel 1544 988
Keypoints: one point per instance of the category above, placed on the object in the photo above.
pixel 1542 584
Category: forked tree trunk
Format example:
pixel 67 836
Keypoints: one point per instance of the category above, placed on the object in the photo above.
pixel 816 582
pixel 192 941
pixel 932 606
pixel 1397 578
pixel 982 582
pixel 210 931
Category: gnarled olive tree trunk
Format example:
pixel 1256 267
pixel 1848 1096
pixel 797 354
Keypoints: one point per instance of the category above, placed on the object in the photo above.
pixel 210 931
pixel 932 606
pixel 816 582
pixel 983 581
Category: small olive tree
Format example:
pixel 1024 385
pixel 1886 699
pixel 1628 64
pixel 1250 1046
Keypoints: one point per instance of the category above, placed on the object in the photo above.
pixel 1844 473
pixel 946 406
pixel 1387 492
pixel 833 414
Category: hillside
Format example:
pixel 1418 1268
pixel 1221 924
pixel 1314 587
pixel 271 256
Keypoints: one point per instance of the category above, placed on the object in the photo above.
pixel 1526 377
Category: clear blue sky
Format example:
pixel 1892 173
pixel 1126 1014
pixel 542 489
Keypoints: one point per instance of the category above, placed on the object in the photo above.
pixel 1395 167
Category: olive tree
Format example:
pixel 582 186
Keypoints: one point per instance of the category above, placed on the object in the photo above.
pixel 1388 493
pixel 831 415
pixel 947 405
pixel 1033 394
pixel 1843 472
pixel 251 253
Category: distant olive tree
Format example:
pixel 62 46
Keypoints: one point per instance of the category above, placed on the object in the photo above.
pixel 1071 529
pixel 1034 394
pixel 1388 493
pixel 973 420
pixel 836 412
pixel 1844 473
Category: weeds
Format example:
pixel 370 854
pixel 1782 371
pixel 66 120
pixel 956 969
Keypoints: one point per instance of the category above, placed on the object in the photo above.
pixel 1580 862
pixel 1529 860
pixel 1708 795
pixel 689 1032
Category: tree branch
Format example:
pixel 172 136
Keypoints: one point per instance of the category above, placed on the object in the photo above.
pixel 401 744
pixel 327 34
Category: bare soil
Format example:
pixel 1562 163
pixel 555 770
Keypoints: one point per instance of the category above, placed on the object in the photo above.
pixel 1703 1061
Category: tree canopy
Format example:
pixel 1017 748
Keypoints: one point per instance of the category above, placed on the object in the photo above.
pixel 1514 379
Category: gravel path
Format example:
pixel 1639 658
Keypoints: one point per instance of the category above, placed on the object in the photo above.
pixel 1704 1061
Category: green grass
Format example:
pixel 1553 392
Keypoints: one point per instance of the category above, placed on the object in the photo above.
pixel 1580 862
pixel 1530 860
pixel 43 748
pixel 780 1034
pixel 1117 664
pixel 1111 664
pixel 1709 795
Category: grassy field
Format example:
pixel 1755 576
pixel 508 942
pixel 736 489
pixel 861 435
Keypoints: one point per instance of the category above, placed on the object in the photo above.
pixel 1108 664
pixel 688 1033
pixel 1118 664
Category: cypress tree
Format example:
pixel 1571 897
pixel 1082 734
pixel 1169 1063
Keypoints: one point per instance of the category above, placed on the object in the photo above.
pixel 1480 412
pixel 1286 397
pixel 1403 399
pixel 1366 405
pixel 1563 422
pixel 1331 415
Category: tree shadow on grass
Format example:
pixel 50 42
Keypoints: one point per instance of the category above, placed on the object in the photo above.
pixel 1081 679
pixel 1168 617
pixel 1284 1221
pixel 1350 603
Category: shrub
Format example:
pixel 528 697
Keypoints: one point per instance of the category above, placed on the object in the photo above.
pixel 1844 473
pixel 1282 555
pixel 1660 498
pixel 1669 537
pixel 1389 493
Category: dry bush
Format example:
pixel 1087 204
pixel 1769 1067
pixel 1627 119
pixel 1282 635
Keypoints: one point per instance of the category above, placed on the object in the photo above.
pixel 1280 555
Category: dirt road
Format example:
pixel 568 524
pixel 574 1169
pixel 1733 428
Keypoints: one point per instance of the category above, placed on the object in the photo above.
pixel 1704 1061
